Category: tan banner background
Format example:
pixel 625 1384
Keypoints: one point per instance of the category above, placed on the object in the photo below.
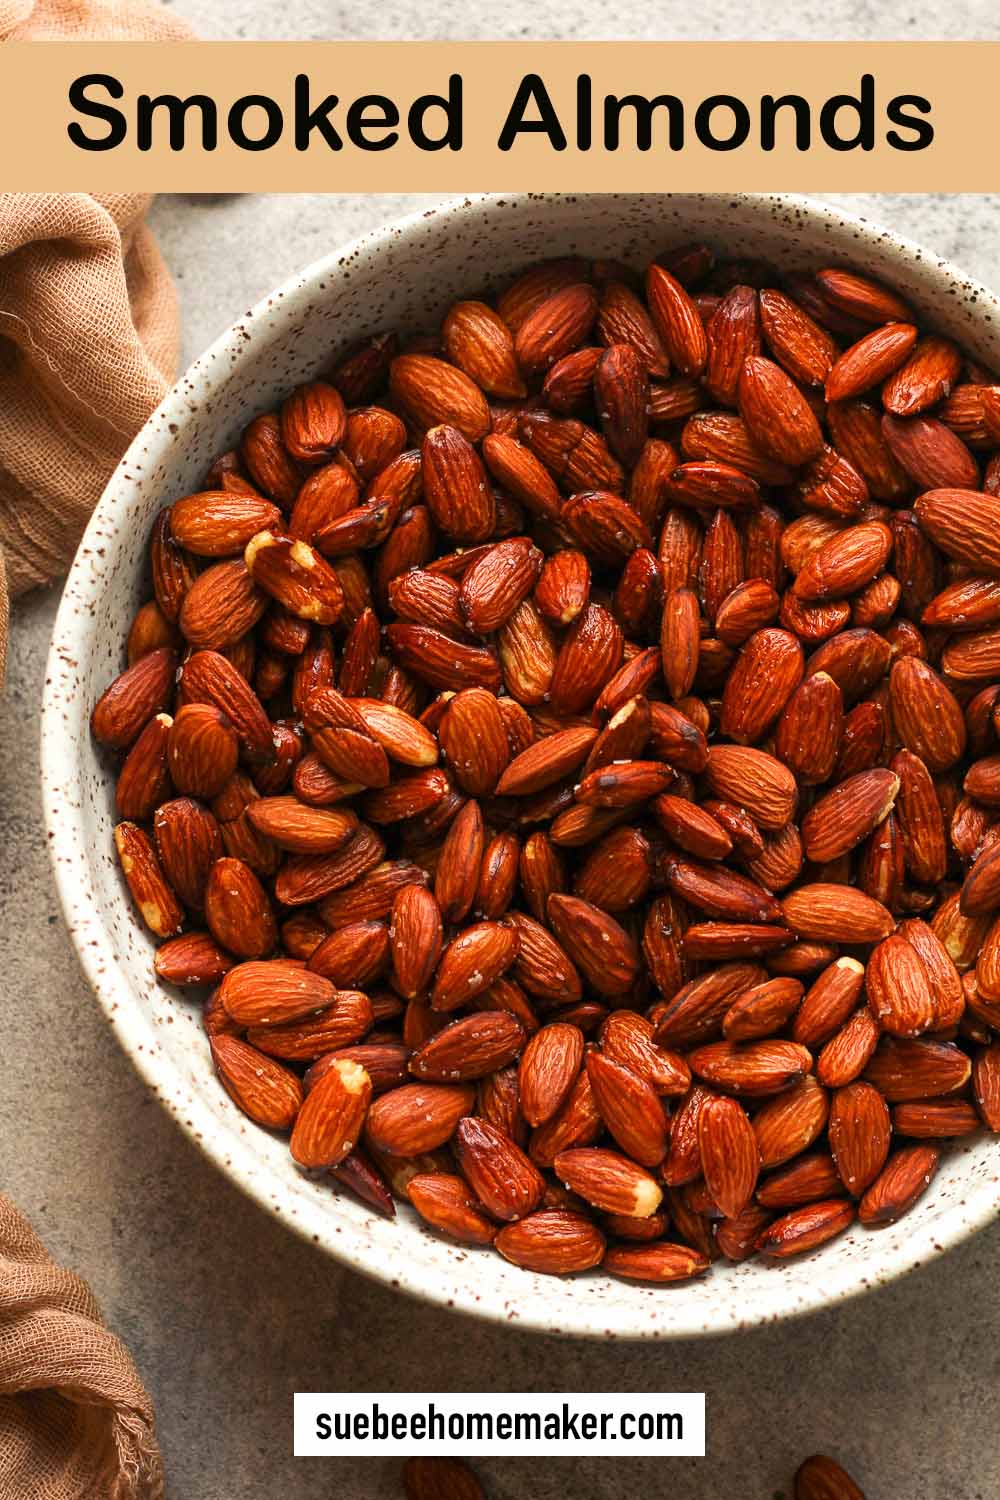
pixel 958 79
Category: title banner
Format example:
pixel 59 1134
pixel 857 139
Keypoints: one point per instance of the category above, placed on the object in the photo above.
pixel 500 116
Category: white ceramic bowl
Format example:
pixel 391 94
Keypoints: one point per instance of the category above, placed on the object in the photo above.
pixel 405 276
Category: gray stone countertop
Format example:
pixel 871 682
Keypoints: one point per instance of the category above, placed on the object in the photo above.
pixel 226 1313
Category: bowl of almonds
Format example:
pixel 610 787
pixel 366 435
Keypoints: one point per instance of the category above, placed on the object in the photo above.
pixel 521 757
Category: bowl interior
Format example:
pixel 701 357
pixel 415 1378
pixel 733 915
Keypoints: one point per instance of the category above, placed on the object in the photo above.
pixel 405 276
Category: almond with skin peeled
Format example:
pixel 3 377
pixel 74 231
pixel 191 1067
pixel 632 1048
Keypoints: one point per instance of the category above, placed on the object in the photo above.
pixel 841 819
pixel 144 780
pixel 296 575
pixel 330 1120
pixel 553 1242
pixel 156 901
pixel 142 690
pixel 609 1181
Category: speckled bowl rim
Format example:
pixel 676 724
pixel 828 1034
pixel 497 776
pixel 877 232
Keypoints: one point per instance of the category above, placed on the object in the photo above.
pixel 894 1251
